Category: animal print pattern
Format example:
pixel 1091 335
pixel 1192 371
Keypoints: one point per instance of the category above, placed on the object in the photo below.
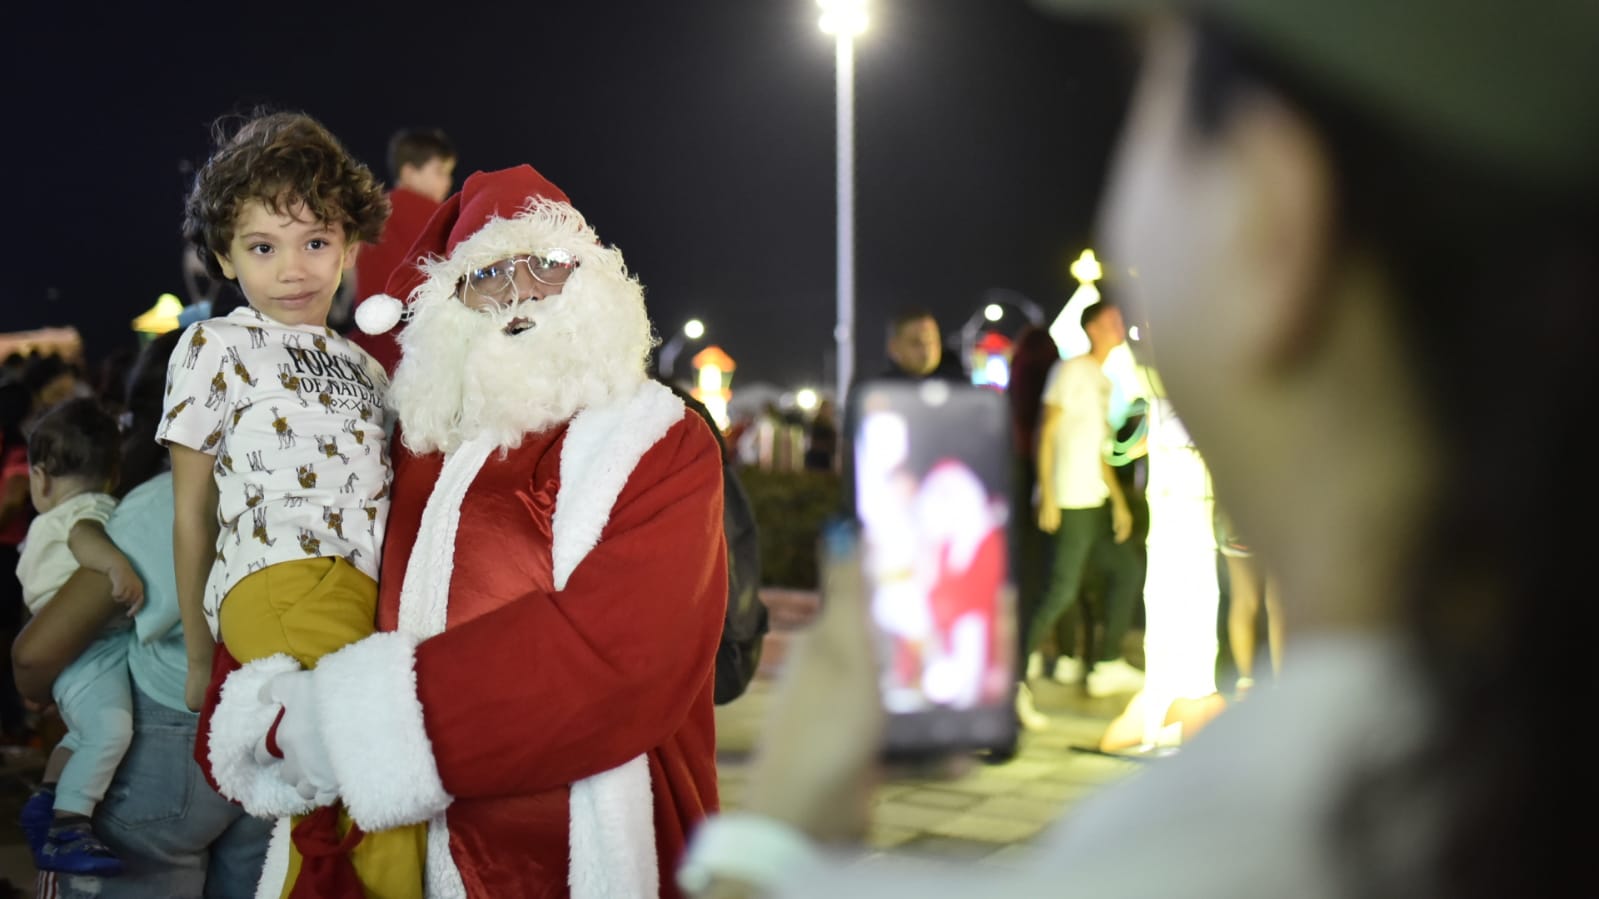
pixel 294 416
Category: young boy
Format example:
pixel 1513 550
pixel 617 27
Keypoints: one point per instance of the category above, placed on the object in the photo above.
pixel 72 464
pixel 275 426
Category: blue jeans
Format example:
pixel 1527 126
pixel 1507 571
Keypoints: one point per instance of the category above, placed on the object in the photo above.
pixel 176 836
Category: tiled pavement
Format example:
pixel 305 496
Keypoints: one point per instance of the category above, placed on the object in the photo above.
pixel 990 813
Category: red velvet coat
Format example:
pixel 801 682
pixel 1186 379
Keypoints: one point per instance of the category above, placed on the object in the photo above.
pixel 530 692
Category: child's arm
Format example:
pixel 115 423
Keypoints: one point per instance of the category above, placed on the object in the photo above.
pixel 60 631
pixel 94 550
pixel 194 541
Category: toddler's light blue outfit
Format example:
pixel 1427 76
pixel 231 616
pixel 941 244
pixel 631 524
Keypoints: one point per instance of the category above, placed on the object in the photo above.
pixel 92 693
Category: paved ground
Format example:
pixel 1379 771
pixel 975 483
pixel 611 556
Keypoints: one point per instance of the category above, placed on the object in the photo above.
pixel 991 813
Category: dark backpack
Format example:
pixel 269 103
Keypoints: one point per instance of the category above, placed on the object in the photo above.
pixel 738 656
pixel 744 628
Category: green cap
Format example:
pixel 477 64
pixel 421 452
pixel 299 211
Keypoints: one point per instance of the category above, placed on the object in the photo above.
pixel 1513 84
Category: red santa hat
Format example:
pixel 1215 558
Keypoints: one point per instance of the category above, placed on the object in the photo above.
pixel 481 212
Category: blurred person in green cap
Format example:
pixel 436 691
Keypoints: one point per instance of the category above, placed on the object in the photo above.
pixel 1367 241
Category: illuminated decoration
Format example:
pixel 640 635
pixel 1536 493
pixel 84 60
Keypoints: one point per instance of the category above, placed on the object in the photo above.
pixel 1067 329
pixel 991 360
pixel 160 318
pixel 985 365
pixel 713 383
pixel 1071 340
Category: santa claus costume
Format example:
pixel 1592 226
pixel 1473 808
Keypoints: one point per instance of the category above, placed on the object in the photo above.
pixel 552 591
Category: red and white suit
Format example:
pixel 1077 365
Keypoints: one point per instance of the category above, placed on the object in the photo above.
pixel 541 687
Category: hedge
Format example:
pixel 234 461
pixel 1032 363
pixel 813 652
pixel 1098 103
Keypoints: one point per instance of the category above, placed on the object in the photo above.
pixel 790 507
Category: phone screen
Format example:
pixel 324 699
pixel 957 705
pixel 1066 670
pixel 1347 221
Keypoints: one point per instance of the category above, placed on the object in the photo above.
pixel 932 496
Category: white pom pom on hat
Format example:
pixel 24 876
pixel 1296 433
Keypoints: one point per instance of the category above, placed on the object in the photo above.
pixel 378 313
pixel 484 196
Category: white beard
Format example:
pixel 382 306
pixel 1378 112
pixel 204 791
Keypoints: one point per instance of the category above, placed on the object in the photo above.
pixel 461 376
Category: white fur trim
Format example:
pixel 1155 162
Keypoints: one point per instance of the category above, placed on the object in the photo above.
pixel 425 592
pixel 372 726
pixel 612 815
pixel 612 843
pixel 443 878
pixel 276 867
pixel 603 446
pixel 238 726
pixel 379 313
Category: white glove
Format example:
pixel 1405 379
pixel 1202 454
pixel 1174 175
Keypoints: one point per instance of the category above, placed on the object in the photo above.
pixel 305 765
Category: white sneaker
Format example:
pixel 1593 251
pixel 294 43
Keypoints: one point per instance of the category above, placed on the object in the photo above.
pixel 1114 677
pixel 1028 714
pixel 1068 671
pixel 1035 666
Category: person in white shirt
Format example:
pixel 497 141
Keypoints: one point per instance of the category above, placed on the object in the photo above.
pixel 1081 502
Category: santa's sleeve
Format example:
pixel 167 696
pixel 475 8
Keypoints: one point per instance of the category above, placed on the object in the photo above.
pixel 552 687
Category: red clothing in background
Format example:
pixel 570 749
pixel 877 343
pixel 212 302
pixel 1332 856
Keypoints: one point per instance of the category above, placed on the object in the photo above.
pixel 1031 360
pixel 14 463
pixel 376 262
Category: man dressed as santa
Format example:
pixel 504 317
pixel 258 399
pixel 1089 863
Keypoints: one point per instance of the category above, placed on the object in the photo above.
pixel 552 590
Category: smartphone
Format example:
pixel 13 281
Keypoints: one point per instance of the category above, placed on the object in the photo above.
pixel 931 468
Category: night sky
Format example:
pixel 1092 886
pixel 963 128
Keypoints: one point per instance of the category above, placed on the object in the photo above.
pixel 696 135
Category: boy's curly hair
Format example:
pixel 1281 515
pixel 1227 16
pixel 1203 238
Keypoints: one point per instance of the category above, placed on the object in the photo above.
pixel 281 159
pixel 77 438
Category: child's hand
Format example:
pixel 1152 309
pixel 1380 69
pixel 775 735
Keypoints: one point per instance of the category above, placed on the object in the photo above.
pixel 126 588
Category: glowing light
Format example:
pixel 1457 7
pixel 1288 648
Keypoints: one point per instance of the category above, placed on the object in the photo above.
pixel 693 329
pixel 806 399
pixel 1067 329
pixel 1181 592
pixel 160 318
pixel 996 371
pixel 1086 268
pixel 1132 332
pixel 713 383
pixel 843 16
pixel 993 312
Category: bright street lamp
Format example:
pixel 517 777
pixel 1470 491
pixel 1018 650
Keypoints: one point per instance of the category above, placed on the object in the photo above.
pixel 693 329
pixel 845 19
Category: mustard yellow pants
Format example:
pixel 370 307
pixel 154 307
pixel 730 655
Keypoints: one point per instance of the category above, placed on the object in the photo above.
pixel 308 609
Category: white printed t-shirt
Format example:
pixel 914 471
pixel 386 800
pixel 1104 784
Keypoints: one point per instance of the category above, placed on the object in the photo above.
pixel 294 415
pixel 46 561
pixel 1081 390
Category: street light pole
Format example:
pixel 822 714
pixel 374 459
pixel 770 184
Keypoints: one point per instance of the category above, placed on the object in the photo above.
pixel 693 329
pixel 845 19
pixel 844 332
